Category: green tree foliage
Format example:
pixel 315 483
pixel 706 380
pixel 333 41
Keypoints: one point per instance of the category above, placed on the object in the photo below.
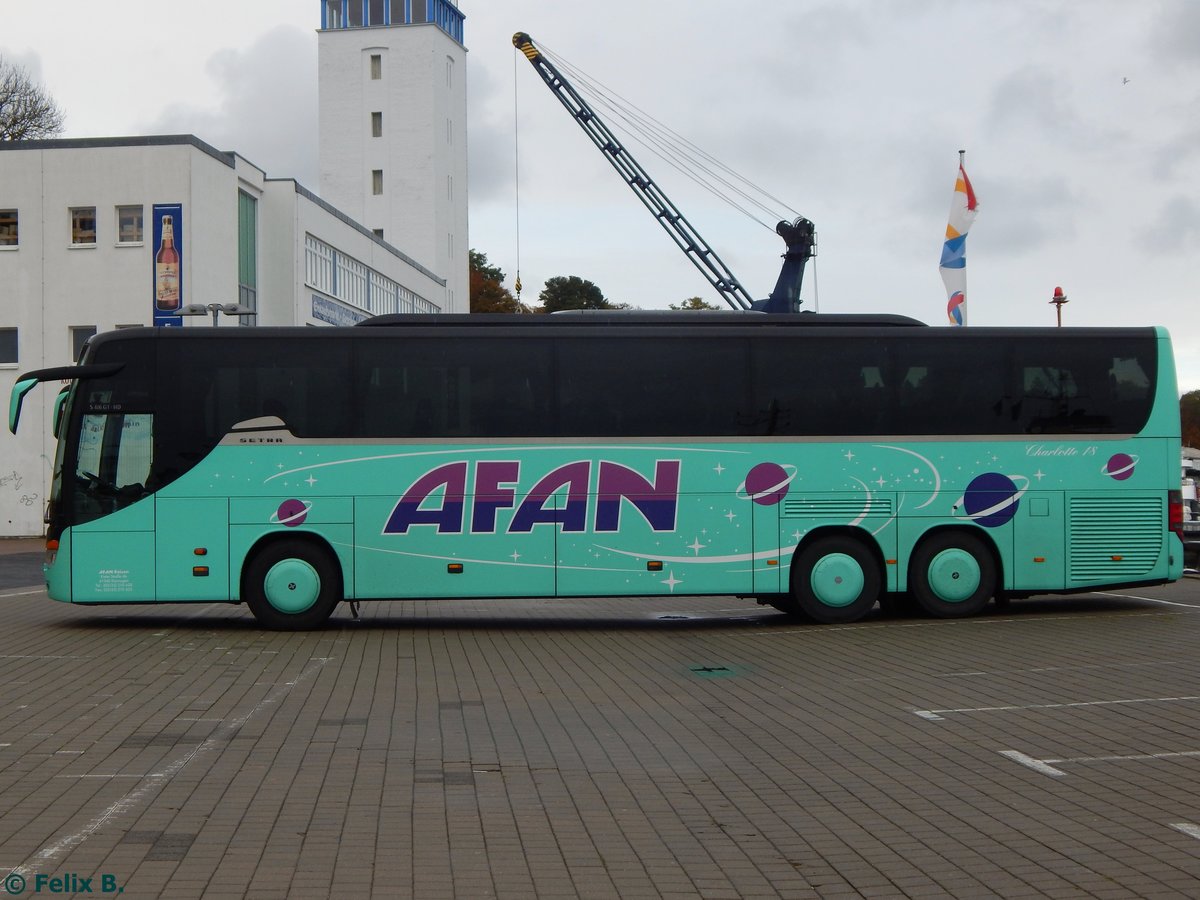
pixel 27 112
pixel 479 263
pixel 1189 418
pixel 572 292
pixel 488 293
pixel 693 303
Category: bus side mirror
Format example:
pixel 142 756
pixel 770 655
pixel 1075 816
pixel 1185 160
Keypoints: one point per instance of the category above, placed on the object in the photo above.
pixel 20 389
pixel 60 403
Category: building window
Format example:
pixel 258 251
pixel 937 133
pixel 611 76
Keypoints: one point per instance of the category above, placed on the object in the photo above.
pixel 8 228
pixel 377 181
pixel 333 13
pixel 83 225
pixel 247 254
pixel 79 337
pixel 376 66
pixel 8 346
pixel 376 13
pixel 129 224
pixel 378 232
pixel 376 124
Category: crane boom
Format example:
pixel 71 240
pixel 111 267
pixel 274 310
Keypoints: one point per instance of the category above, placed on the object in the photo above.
pixel 668 215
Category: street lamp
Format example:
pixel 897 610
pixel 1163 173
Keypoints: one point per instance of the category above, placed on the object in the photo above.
pixel 203 309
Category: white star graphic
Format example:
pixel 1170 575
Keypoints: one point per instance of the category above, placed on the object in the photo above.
pixel 671 582
pixel 696 546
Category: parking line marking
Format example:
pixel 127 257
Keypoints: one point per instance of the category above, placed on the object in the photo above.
pixel 23 593
pixel 1187 828
pixel 1046 768
pixel 1147 599
pixel 1039 669
pixel 1037 765
pixel 935 714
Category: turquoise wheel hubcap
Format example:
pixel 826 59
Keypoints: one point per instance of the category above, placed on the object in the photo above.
pixel 954 575
pixel 292 586
pixel 837 579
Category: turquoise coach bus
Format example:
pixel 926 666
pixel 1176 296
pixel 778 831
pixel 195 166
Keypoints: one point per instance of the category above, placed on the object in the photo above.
pixel 821 464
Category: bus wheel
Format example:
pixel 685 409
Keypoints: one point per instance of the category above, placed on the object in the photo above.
pixel 292 585
pixel 952 574
pixel 835 579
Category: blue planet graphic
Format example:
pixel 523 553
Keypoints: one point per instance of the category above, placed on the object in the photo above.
pixel 991 499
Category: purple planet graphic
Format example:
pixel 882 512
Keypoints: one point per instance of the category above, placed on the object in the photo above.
pixel 991 499
pixel 291 513
pixel 1119 466
pixel 766 484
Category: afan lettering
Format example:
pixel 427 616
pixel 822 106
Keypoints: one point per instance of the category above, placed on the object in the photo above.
pixel 494 488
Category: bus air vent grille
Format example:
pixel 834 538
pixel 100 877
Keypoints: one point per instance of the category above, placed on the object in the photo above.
pixel 838 509
pixel 1113 538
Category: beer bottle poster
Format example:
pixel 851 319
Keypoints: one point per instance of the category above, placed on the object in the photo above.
pixel 166 263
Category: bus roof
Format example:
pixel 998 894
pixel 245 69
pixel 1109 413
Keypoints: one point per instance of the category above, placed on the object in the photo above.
pixel 638 322
pixel 658 318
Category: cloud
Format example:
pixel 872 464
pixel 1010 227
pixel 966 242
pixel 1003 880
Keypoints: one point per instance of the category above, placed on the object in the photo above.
pixel 1177 228
pixel 266 112
pixel 1177 33
pixel 28 60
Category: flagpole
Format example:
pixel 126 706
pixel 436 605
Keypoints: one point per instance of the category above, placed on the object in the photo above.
pixel 954 249
pixel 962 158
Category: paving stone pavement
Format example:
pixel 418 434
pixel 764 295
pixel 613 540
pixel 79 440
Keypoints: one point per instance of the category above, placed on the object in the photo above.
pixel 667 747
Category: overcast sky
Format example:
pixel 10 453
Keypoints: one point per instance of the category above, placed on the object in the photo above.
pixel 1081 123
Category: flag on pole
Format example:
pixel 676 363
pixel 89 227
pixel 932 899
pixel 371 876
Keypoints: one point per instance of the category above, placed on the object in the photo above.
pixel 954 252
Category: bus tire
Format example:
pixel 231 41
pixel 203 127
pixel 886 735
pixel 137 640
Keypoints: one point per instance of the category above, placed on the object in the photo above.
pixel 836 579
pixel 292 585
pixel 952 574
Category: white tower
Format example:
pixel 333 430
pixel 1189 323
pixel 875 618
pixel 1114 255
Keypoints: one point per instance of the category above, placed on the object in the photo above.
pixel 393 128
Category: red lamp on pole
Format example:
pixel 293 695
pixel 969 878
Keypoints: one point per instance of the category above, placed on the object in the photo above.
pixel 1058 300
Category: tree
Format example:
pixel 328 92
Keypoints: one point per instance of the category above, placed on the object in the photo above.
pixel 693 303
pixel 572 292
pixel 479 263
pixel 488 293
pixel 26 111
pixel 1189 418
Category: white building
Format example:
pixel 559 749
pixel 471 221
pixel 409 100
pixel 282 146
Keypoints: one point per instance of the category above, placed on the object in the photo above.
pixel 392 121
pixel 80 228
pixel 84 224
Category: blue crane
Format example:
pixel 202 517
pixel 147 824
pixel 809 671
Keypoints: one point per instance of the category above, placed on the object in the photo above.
pixel 799 235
